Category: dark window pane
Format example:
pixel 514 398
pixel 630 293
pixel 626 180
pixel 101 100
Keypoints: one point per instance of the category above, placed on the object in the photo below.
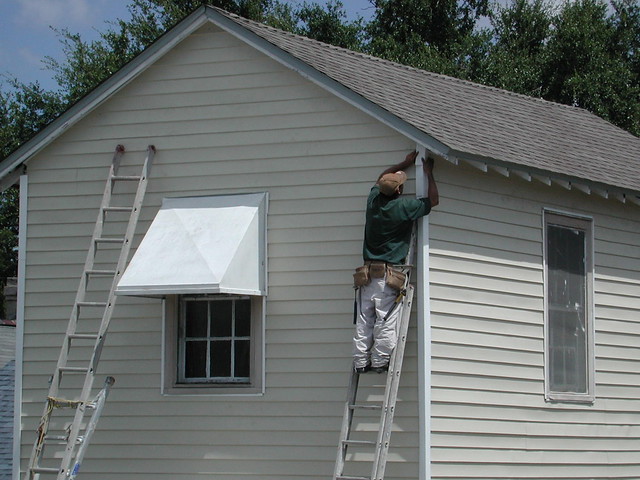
pixel 221 318
pixel 243 358
pixel 243 318
pixel 221 358
pixel 566 266
pixel 195 319
pixel 195 359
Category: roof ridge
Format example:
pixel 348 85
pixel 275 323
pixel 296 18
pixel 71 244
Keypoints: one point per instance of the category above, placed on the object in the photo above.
pixel 402 65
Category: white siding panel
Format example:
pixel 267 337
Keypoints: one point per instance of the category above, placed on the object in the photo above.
pixel 490 419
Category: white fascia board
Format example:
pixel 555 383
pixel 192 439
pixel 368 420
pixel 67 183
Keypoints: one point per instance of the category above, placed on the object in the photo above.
pixel 23 212
pixel 424 329
pixel 327 83
pixel 103 91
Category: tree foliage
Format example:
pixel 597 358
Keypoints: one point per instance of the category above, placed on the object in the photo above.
pixel 517 55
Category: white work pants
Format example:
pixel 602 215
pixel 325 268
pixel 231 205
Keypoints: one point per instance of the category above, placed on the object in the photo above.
pixel 375 338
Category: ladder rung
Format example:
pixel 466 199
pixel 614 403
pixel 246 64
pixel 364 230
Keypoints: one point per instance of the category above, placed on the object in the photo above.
pixel 83 336
pixel 45 470
pixel 347 477
pixel 365 443
pixel 109 240
pixel 118 209
pixel 366 407
pixel 92 304
pixel 126 178
pixel 74 369
pixel 101 273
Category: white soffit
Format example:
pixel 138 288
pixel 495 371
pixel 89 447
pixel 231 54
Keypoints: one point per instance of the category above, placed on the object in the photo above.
pixel 199 245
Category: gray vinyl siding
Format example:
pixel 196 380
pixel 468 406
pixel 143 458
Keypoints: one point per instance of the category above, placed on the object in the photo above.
pixel 225 119
pixel 489 416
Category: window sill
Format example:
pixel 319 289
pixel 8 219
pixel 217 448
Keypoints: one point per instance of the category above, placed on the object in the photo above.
pixel 572 398
pixel 212 390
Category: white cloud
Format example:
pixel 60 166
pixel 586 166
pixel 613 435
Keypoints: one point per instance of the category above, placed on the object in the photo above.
pixel 72 14
pixel 30 57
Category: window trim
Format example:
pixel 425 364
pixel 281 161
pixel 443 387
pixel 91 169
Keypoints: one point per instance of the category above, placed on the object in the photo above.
pixel 170 353
pixel 586 224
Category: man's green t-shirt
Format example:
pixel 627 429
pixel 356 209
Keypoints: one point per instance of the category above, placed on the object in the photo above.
pixel 389 222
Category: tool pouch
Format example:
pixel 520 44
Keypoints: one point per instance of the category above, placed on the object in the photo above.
pixel 395 279
pixel 361 277
pixel 377 269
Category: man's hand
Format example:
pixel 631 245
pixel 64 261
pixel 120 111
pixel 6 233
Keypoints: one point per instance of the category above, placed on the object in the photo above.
pixel 402 166
pixel 432 188
pixel 411 157
pixel 427 165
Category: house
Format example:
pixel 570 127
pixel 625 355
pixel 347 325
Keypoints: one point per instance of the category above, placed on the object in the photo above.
pixel 523 358
pixel 7 373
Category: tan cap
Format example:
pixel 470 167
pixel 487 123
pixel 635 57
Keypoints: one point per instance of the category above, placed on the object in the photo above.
pixel 389 182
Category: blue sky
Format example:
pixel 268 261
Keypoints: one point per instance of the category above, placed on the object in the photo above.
pixel 26 37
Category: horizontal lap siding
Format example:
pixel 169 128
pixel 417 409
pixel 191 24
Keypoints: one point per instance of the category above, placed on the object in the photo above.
pixel 490 420
pixel 225 119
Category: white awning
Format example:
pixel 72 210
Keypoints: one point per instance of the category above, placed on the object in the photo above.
pixel 201 245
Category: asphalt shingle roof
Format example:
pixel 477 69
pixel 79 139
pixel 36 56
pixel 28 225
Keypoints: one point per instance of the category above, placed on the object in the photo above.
pixel 475 120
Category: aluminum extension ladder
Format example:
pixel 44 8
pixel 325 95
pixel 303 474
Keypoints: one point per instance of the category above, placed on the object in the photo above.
pixel 74 365
pixel 388 405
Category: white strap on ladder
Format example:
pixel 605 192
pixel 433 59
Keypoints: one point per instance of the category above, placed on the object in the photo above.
pixel 380 446
pixel 71 363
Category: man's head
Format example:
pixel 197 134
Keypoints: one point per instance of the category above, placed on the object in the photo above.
pixel 391 183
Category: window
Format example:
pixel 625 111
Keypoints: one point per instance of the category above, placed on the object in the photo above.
pixel 206 257
pixel 213 344
pixel 568 256
pixel 214 340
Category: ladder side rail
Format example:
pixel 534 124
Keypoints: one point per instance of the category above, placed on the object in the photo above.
pixel 38 447
pixel 391 391
pixel 106 319
pixel 395 368
pixel 98 405
pixel 347 420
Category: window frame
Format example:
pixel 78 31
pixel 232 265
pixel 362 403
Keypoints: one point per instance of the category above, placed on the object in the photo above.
pixel 171 384
pixel 586 224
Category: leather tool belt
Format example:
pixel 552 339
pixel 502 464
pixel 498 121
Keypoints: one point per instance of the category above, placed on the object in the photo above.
pixel 372 269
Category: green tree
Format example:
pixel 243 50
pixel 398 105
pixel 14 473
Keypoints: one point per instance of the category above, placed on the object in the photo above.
pixel 24 110
pixel 436 35
pixel 329 24
pixel 517 53
pixel 588 68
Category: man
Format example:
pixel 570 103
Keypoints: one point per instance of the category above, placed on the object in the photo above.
pixel 388 228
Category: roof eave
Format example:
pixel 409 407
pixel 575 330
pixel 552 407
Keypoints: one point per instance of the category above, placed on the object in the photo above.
pixel 546 177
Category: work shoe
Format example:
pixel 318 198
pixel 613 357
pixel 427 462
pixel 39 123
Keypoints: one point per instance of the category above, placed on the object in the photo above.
pixel 381 368
pixel 362 369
